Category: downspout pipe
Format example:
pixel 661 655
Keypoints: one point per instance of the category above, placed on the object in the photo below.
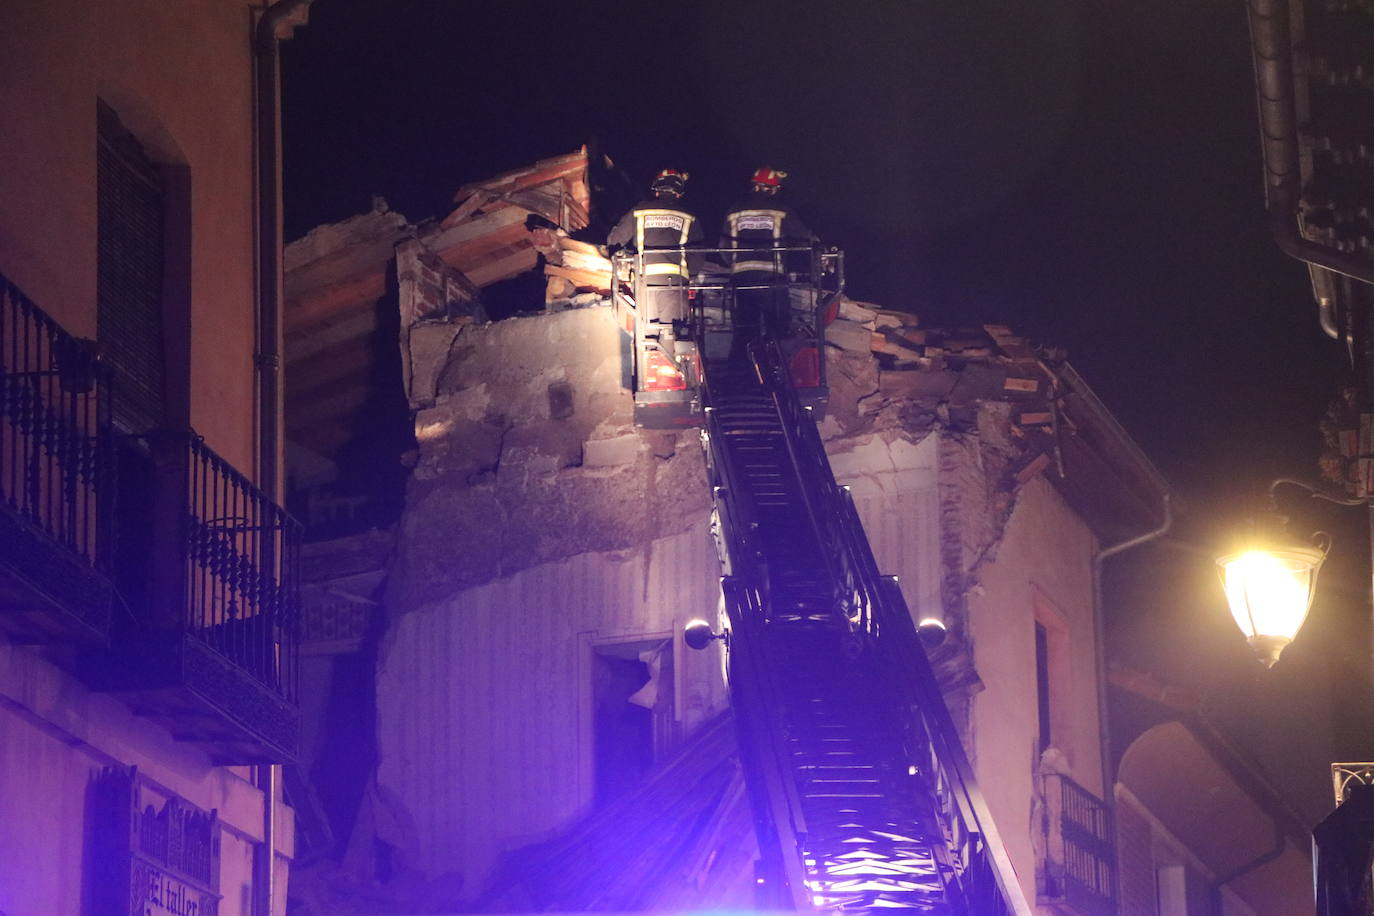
pixel 275 23
pixel 1100 634
pixel 1272 49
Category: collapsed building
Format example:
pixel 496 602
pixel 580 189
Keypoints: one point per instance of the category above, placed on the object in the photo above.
pixel 537 735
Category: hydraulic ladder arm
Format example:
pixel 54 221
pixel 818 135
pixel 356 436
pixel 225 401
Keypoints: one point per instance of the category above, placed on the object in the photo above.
pixel 862 794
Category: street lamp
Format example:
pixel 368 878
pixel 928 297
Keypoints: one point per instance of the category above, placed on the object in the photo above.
pixel 1269 588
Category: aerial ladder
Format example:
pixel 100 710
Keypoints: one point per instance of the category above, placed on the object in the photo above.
pixel 862 795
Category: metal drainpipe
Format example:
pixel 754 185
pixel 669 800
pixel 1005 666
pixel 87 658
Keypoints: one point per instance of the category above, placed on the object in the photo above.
pixel 267 358
pixel 1271 46
pixel 1100 634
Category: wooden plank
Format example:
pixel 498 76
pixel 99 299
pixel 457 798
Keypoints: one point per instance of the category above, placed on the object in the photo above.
pixel 470 254
pixel 501 252
pixel 475 202
pixel 586 248
pixel 578 214
pixel 582 278
pixel 1036 465
pixel 579 261
pixel 338 266
pixel 356 293
pixel 499 217
pixel 545 200
pixel 504 269
pixel 302 344
pixel 569 165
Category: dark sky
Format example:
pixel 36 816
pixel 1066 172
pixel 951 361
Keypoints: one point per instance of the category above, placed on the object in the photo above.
pixel 1088 173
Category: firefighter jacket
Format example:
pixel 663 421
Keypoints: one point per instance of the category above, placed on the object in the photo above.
pixel 658 223
pixel 757 224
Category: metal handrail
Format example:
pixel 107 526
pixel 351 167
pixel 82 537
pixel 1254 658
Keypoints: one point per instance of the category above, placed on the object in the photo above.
pixel 824 278
pixel 985 876
pixel 1084 855
pixel 754 690
pixel 754 695
pixel 57 468
pixel 235 574
pixel 825 262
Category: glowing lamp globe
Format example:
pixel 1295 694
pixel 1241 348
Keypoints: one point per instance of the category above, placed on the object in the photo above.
pixel 1270 592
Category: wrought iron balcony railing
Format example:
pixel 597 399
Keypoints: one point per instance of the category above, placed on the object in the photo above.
pixel 219 617
pixel 1080 861
pixel 57 476
pixel 160 525
pixel 242 557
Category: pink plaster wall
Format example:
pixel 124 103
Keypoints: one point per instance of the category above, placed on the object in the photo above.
pixel 1045 558
pixel 54 735
pixel 179 75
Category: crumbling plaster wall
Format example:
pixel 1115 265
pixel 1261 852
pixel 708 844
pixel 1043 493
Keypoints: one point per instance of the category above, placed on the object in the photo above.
pixel 485 697
pixel 55 737
pixel 529 456
pixel 1043 571
pixel 540 522
pixel 957 464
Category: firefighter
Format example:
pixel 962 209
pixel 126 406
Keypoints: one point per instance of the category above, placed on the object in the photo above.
pixel 756 225
pixel 661 222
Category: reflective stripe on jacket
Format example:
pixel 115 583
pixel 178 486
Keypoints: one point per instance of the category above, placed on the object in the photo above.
pixel 757 224
pixel 652 225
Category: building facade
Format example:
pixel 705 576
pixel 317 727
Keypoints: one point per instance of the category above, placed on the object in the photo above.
pixel 519 625
pixel 147 596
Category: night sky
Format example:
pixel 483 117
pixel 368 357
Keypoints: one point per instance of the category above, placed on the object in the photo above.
pixel 1088 173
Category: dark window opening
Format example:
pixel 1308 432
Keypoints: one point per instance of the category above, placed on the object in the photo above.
pixel 1042 686
pixel 130 274
pixel 632 697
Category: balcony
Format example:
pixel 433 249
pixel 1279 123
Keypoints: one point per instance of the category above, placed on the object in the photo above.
pixel 1079 874
pixel 147 565
pixel 210 563
pixel 57 481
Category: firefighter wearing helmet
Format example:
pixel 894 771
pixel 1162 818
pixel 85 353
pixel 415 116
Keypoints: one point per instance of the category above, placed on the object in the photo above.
pixel 755 226
pixel 659 228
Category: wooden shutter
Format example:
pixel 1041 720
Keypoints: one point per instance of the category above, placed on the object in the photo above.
pixel 129 275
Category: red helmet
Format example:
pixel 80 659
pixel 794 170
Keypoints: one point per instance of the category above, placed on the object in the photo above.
pixel 768 178
pixel 670 181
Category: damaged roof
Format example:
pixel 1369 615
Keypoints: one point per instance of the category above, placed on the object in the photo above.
pixel 340 286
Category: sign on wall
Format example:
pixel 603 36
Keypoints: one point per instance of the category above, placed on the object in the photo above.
pixel 155 854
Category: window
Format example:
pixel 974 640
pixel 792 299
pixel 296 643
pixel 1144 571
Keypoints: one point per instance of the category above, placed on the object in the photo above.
pixel 1053 678
pixel 632 714
pixel 1042 687
pixel 130 273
